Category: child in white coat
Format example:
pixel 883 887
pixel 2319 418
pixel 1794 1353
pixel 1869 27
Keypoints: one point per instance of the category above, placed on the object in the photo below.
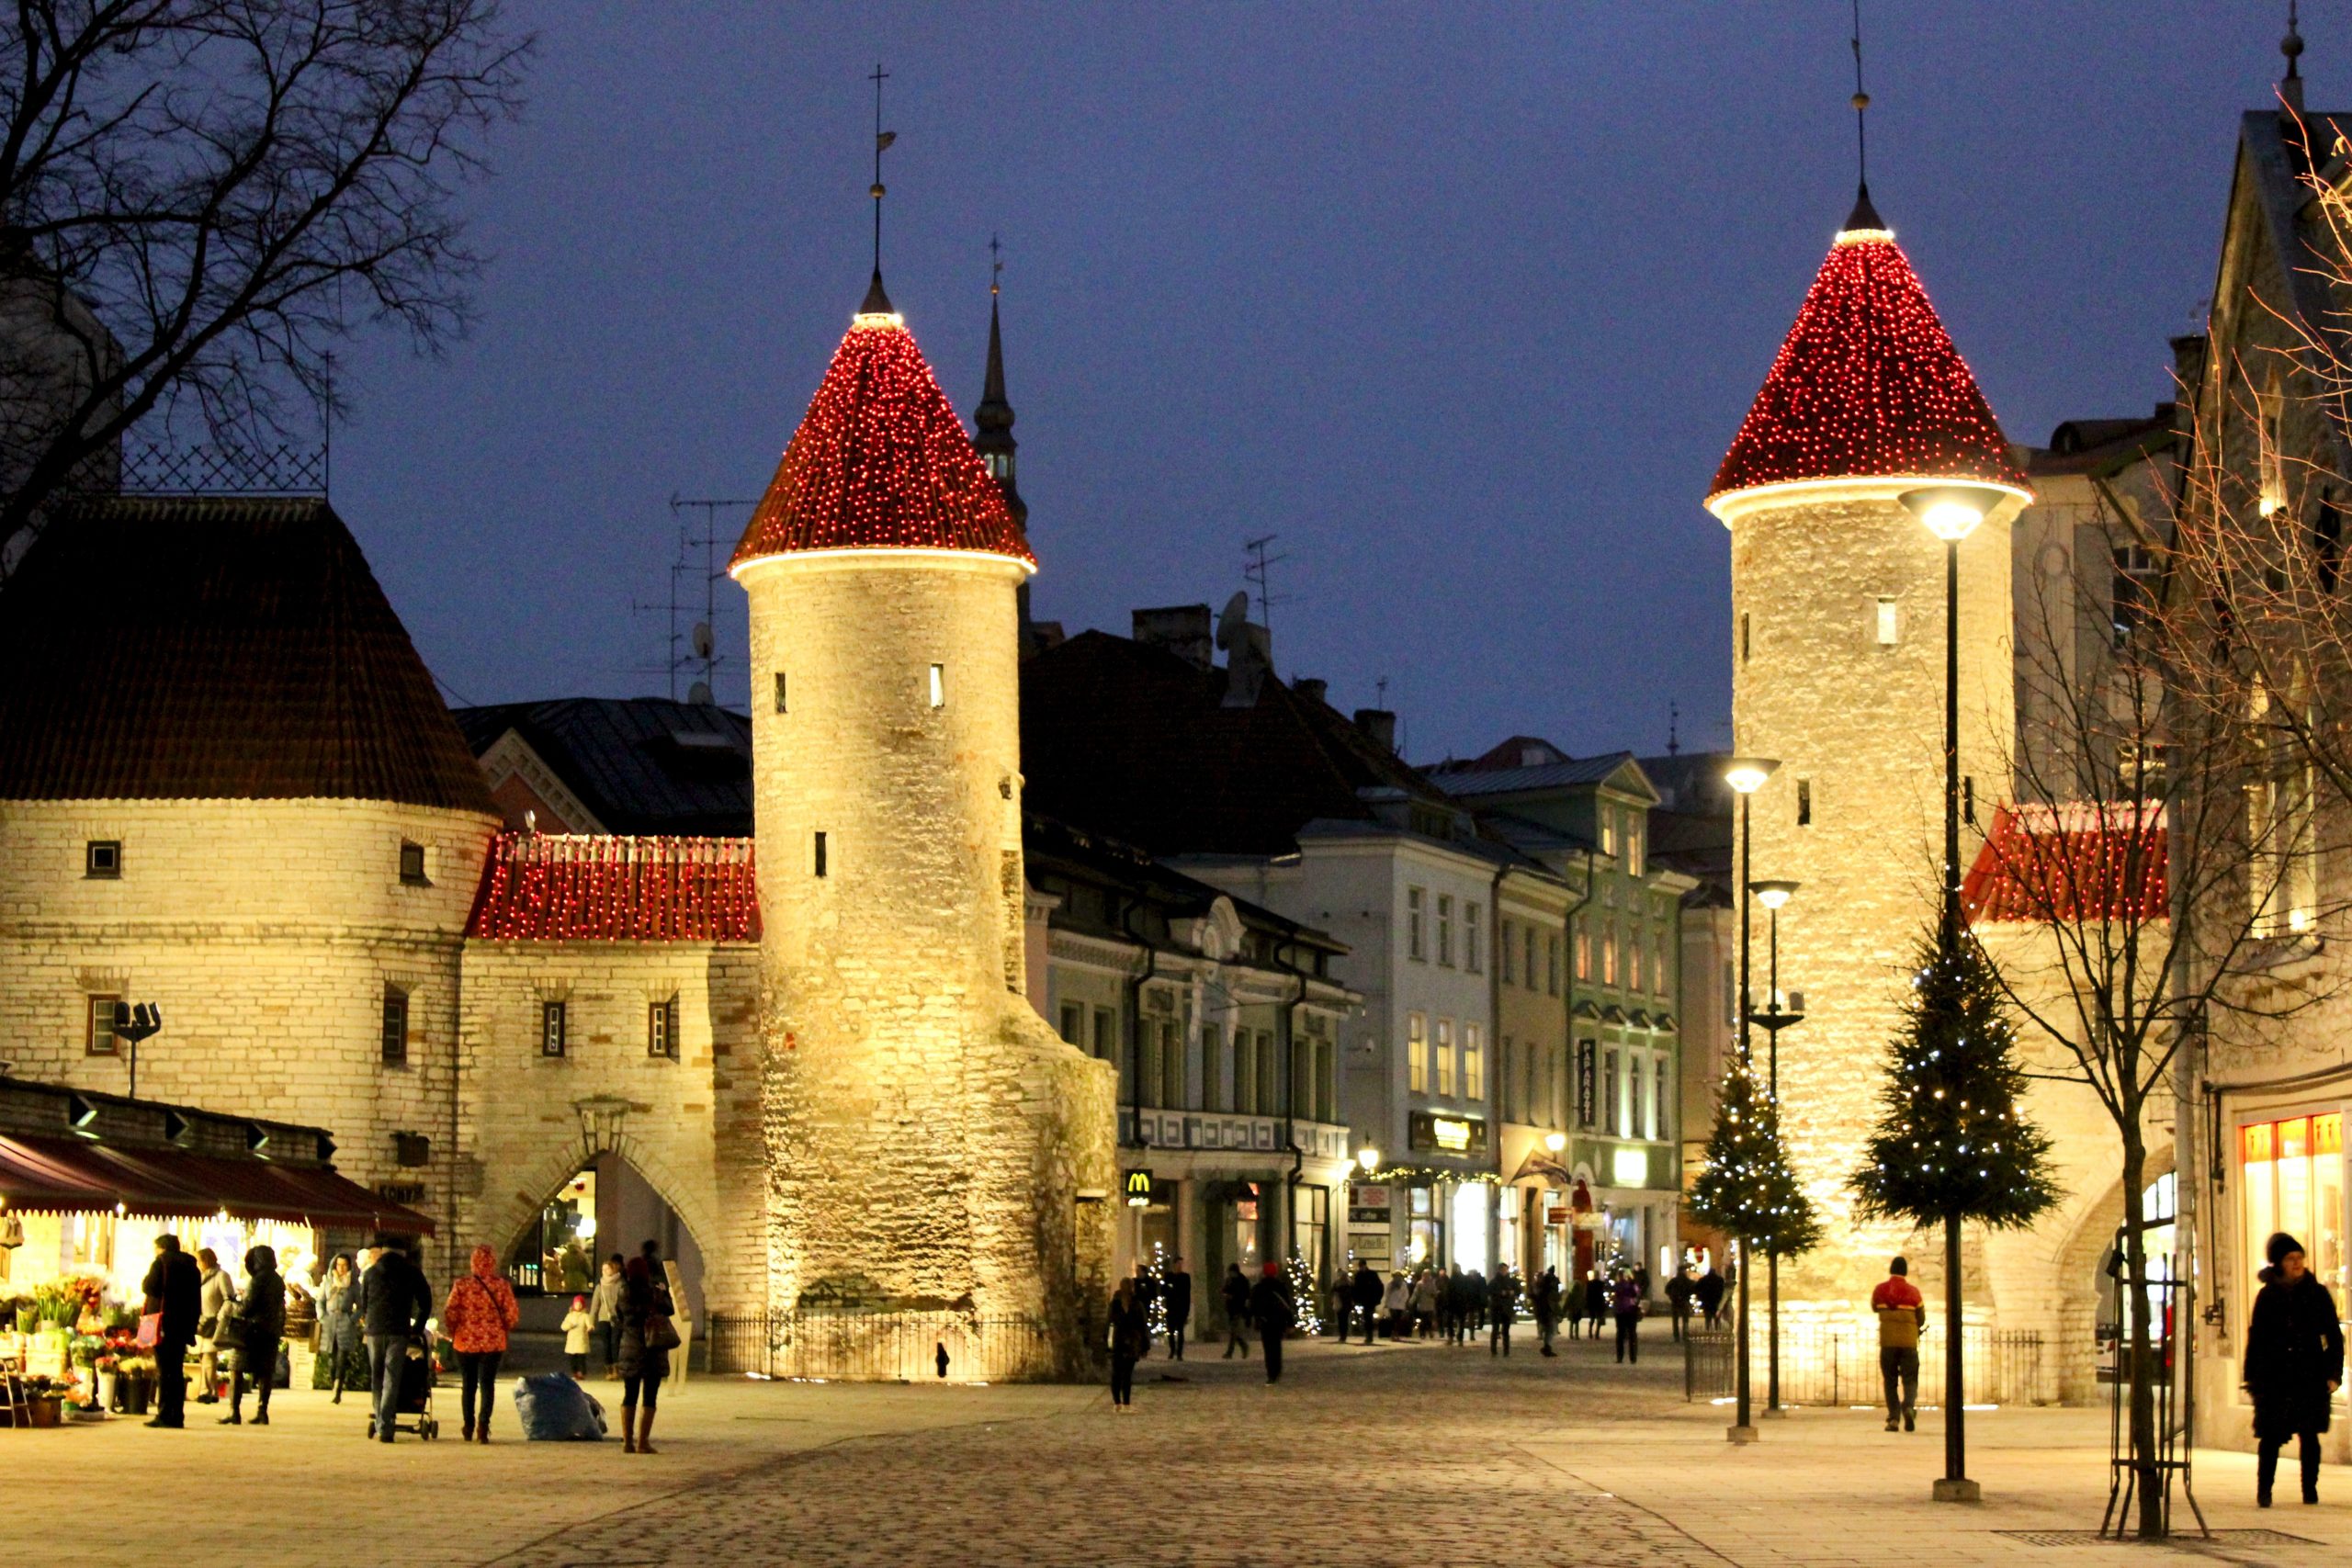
pixel 577 1327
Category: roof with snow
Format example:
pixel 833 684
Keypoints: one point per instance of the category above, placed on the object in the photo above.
pixel 1867 384
pixel 881 461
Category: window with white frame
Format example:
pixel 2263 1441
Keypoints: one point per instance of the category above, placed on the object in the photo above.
pixel 1473 919
pixel 1445 930
pixel 1445 1056
pixel 1414 942
pixel 1474 1061
pixel 1416 1052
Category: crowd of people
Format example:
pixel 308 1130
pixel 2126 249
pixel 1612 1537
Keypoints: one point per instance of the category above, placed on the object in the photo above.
pixel 377 1330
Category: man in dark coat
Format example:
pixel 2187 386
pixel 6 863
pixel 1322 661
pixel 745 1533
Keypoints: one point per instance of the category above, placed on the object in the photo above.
pixel 1272 1309
pixel 1709 1291
pixel 1678 1293
pixel 1367 1293
pixel 1502 1308
pixel 174 1291
pixel 2295 1362
pixel 394 1304
pixel 1180 1306
pixel 1237 1314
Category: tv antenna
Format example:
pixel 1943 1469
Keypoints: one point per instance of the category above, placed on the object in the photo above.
pixel 697 647
pixel 1256 573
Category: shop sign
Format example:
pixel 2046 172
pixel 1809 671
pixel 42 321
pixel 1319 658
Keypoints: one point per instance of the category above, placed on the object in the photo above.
pixel 1449 1134
pixel 1558 1215
pixel 400 1192
pixel 1585 1053
pixel 1368 1203
pixel 1140 1192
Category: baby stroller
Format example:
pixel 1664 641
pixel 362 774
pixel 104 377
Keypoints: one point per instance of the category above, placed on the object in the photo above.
pixel 418 1374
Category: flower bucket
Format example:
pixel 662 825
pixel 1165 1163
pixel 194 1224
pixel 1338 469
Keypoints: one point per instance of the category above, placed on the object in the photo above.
pixel 46 1411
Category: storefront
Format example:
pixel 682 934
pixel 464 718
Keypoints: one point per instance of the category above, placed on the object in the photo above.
pixel 2290 1171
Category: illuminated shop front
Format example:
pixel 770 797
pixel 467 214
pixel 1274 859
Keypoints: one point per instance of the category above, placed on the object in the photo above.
pixel 2290 1172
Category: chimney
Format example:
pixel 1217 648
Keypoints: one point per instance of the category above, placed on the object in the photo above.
pixel 1182 630
pixel 1380 725
pixel 1310 688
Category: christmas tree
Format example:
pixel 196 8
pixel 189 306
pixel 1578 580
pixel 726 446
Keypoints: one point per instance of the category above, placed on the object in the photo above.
pixel 1303 1295
pixel 1952 1140
pixel 1747 1189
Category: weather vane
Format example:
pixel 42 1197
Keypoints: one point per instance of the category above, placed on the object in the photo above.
pixel 1861 103
pixel 882 140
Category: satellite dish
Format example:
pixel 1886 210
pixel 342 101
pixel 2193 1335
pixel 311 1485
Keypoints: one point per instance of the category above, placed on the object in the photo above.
pixel 699 693
pixel 703 642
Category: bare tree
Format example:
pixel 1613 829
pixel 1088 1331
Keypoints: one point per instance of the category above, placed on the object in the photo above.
pixel 2159 854
pixel 198 197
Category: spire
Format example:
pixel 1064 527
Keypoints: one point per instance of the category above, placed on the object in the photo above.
pixel 993 418
pixel 1864 215
pixel 2290 86
pixel 877 301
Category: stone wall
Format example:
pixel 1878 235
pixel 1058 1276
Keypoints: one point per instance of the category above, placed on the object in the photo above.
pixel 929 1137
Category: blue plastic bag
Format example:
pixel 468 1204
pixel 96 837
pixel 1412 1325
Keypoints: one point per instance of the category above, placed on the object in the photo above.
pixel 555 1409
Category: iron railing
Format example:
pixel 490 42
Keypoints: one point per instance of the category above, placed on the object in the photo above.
pixel 1824 1364
pixel 858 1345
pixel 153 467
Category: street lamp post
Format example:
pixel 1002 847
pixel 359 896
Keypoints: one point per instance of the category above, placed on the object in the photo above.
pixel 1747 776
pixel 1772 894
pixel 1952 512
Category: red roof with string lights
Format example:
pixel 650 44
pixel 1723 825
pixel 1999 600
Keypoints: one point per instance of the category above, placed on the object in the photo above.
pixel 610 888
pixel 1867 384
pixel 2041 865
pixel 881 461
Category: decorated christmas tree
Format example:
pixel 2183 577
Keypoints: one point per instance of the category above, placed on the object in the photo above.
pixel 1303 1295
pixel 1952 1139
pixel 1747 1189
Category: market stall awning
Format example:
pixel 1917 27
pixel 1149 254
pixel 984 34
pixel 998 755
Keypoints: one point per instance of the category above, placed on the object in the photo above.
pixel 71 1175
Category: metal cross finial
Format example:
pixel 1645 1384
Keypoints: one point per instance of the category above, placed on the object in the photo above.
pixel 882 138
pixel 1861 102
pixel 996 263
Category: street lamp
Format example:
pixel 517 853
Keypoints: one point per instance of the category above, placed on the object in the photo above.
pixel 1555 1142
pixel 1369 1158
pixel 1952 512
pixel 1747 776
pixel 1772 893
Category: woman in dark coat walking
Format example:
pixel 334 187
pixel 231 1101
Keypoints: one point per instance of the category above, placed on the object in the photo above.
pixel 1130 1336
pixel 261 1324
pixel 343 1355
pixel 2294 1360
pixel 646 1338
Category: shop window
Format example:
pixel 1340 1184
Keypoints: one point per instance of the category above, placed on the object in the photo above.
pixel 395 1035
pixel 102 859
pixel 554 1028
pixel 413 865
pixel 2292 1172
pixel 1311 1228
pixel 99 1038
pixel 661 1030
pixel 1416 1052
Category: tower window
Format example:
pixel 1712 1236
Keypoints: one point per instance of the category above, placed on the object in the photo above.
pixel 661 1030
pixel 102 859
pixel 395 1034
pixel 100 1041
pixel 552 1029
pixel 1885 623
pixel 939 685
pixel 779 691
pixel 1804 803
pixel 818 857
pixel 1743 636
pixel 412 865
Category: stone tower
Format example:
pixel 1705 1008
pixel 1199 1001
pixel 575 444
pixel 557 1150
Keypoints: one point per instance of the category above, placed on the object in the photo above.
pixel 1838 629
pixel 936 1154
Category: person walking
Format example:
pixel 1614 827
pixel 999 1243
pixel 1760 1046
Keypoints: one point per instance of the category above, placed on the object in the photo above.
pixel 1368 1295
pixel 1902 1313
pixel 1428 1291
pixel 395 1303
pixel 647 1336
pixel 1272 1309
pixel 2294 1363
pixel 1546 1302
pixel 479 1314
pixel 1678 1293
pixel 1235 1290
pixel 339 1339
pixel 260 1319
pixel 1180 1307
pixel 1709 1292
pixel 1626 1303
pixel 220 1297
pixel 1502 1309
pixel 1397 1305
pixel 604 1306
pixel 174 1297
pixel 1130 1337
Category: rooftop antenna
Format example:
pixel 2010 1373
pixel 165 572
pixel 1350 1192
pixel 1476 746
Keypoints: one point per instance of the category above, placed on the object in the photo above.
pixel 698 646
pixel 1673 730
pixel 882 140
pixel 1255 573
pixel 995 266
pixel 1380 693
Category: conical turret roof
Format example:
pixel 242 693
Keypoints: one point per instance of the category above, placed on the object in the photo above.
pixel 1867 385
pixel 881 462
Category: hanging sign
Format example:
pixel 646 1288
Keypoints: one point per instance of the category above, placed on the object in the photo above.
pixel 1139 1189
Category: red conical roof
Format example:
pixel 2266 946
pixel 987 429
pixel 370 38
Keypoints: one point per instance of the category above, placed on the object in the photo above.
pixel 1867 385
pixel 881 462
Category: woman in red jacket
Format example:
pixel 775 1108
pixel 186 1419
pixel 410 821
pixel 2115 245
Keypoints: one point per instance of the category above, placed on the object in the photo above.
pixel 481 1310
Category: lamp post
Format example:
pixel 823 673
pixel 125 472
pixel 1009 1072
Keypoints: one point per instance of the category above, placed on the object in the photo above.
pixel 1772 893
pixel 1747 776
pixel 1952 512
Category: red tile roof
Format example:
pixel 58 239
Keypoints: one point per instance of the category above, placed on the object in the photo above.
pixel 552 887
pixel 2077 861
pixel 881 462
pixel 1867 384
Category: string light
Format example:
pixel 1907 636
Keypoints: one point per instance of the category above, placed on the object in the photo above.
pixel 881 462
pixel 2082 861
pixel 601 888
pixel 1866 384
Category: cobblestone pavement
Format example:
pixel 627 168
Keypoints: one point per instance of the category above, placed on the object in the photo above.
pixel 1401 1454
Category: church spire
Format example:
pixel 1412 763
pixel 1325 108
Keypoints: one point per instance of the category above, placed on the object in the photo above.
pixel 2290 86
pixel 992 420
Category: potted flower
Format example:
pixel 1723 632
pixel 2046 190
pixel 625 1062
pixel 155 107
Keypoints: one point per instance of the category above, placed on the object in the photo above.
pixel 134 1381
pixel 108 1368
pixel 46 1400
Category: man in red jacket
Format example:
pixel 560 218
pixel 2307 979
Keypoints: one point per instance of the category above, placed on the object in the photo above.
pixel 1902 1313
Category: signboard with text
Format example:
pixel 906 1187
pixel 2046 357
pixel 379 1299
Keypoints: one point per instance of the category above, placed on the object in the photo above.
pixel 1448 1135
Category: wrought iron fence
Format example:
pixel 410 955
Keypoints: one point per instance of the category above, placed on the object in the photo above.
pixel 1831 1365
pixel 857 1344
pixel 153 467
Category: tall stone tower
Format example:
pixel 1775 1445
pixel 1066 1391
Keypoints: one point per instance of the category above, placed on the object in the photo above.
pixel 936 1153
pixel 1838 658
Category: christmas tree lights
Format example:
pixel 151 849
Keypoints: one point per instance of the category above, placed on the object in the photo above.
pixel 881 462
pixel 1952 1138
pixel 598 887
pixel 1867 384
pixel 1748 1189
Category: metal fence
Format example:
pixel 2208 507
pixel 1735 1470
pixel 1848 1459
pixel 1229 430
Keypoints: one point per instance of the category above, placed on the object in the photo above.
pixel 855 1345
pixel 1826 1364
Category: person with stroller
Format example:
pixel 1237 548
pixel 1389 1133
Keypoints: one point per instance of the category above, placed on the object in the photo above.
pixel 479 1314
pixel 259 1322
pixel 395 1303
pixel 647 1336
